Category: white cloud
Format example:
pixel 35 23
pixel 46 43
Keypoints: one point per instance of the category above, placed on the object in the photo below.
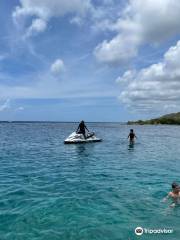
pixel 141 22
pixel 127 77
pixel 38 25
pixel 116 51
pixel 154 87
pixel 47 8
pixel 57 67
pixel 44 10
pixel 5 105
pixel 76 20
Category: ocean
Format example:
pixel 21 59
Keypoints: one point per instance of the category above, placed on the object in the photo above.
pixel 101 191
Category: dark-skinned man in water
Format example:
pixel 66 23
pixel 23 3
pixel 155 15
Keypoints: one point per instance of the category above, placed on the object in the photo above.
pixel 82 129
pixel 131 136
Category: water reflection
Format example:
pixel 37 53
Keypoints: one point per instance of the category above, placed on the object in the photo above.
pixel 84 150
pixel 131 145
pixel 81 149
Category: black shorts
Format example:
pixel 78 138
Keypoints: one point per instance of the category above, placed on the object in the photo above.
pixel 82 132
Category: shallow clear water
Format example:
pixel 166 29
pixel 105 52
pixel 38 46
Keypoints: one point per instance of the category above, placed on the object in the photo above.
pixel 102 191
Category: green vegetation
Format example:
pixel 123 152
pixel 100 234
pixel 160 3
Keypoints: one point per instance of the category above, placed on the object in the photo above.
pixel 173 118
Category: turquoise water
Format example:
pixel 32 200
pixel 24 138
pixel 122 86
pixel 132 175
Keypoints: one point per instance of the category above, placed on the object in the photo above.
pixel 102 191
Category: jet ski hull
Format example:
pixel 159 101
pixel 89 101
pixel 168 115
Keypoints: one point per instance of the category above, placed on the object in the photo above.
pixel 75 142
pixel 76 138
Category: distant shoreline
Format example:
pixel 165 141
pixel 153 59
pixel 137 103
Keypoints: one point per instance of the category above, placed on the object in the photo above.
pixel 152 124
pixel 169 119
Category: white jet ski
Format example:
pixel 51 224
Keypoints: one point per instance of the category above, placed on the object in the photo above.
pixel 79 138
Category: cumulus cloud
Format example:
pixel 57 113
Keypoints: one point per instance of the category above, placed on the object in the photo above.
pixel 141 22
pixel 38 25
pixel 118 50
pixel 44 10
pixel 154 87
pixel 57 67
pixel 127 77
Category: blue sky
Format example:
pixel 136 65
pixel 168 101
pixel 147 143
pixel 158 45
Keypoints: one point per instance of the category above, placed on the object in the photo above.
pixel 107 60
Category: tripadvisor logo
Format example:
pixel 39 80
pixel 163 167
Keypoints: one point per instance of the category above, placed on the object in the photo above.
pixel 139 231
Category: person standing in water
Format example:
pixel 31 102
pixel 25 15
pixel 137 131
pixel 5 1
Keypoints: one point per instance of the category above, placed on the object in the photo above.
pixel 174 195
pixel 82 129
pixel 131 136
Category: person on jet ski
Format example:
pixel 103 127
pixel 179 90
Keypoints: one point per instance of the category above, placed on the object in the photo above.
pixel 82 129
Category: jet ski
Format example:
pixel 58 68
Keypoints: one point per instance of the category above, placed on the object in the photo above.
pixel 79 138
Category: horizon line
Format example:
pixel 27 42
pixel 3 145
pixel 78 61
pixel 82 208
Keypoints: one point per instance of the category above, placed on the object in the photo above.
pixel 49 121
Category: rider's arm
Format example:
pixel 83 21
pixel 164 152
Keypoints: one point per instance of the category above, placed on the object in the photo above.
pixel 86 128
pixel 77 129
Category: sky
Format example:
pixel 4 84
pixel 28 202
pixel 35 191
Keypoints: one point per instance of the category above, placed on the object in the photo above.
pixel 96 60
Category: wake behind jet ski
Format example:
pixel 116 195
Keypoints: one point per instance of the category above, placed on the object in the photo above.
pixel 80 135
